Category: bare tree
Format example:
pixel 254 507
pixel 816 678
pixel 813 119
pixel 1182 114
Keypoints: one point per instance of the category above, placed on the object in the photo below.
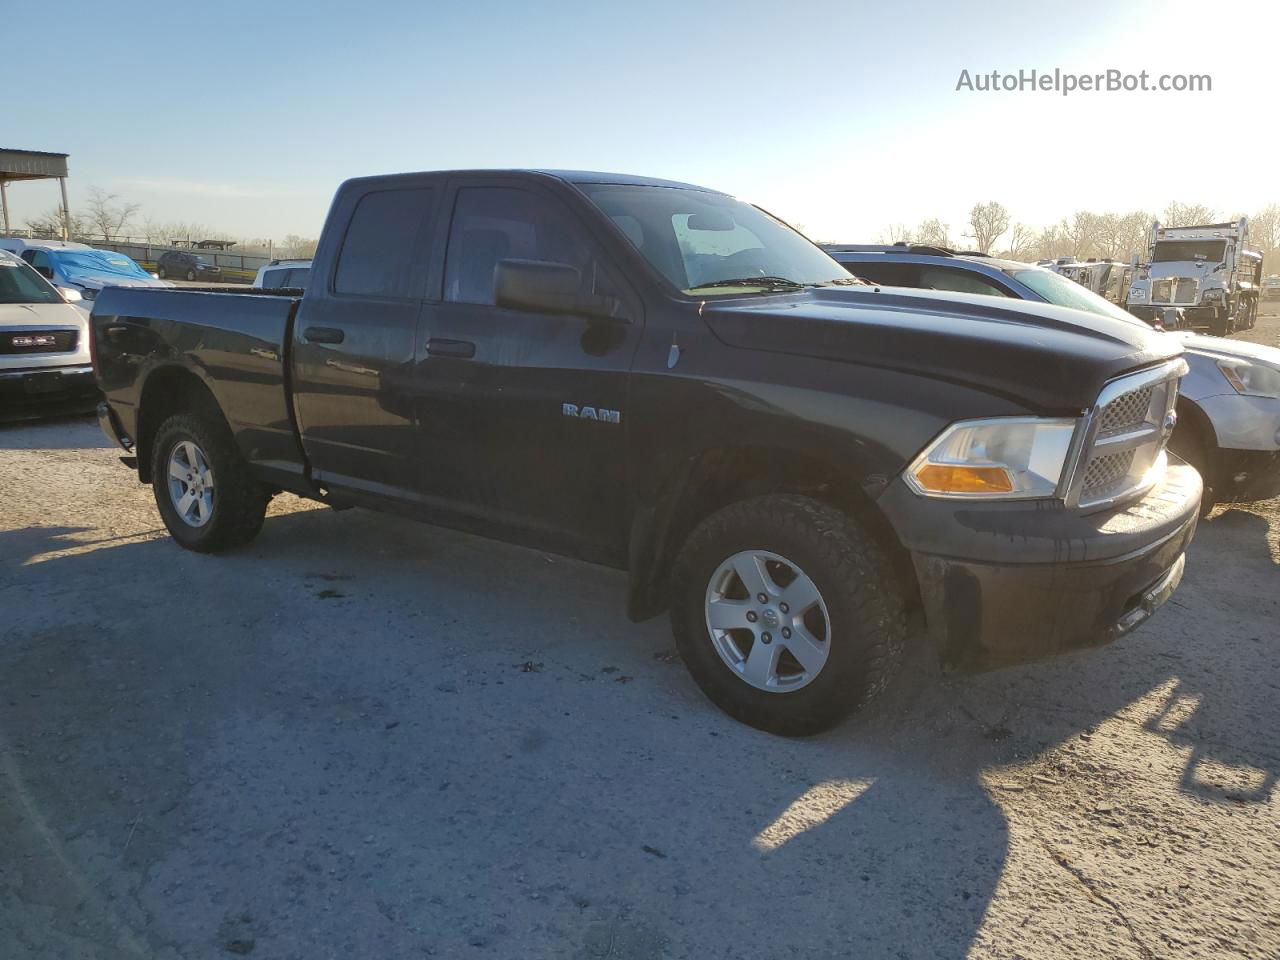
pixel 105 215
pixel 1081 233
pixel 1186 214
pixel 295 247
pixel 49 224
pixel 933 232
pixel 987 221
pixel 897 233
pixel 1022 242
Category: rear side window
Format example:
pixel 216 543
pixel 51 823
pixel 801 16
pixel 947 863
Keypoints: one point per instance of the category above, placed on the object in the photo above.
pixel 378 256
pixel 500 223
pixel 275 278
pixel 298 277
pixel 958 281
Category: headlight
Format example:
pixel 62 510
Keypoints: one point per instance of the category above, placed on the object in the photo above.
pixel 1009 458
pixel 1251 379
pixel 1137 292
pixel 1212 295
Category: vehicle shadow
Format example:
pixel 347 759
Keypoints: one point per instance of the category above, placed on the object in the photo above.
pixel 37 432
pixel 380 737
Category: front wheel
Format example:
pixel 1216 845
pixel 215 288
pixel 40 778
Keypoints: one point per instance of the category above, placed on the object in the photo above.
pixel 785 613
pixel 1220 322
pixel 203 489
pixel 191 275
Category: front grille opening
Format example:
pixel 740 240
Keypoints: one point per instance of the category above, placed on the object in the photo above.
pixel 1107 474
pixel 1127 412
pixel 21 342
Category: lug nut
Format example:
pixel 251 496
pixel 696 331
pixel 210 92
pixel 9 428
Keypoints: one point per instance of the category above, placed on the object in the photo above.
pixel 766 637
pixel 786 633
pixel 784 608
pixel 752 616
pixel 763 597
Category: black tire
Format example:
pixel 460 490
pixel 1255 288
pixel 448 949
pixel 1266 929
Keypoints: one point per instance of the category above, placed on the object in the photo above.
pixel 1246 315
pixel 1220 323
pixel 862 599
pixel 239 502
pixel 1190 443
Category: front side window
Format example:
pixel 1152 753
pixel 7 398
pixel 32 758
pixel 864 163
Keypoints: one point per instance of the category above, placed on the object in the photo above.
pixel 491 224
pixel 378 256
pixel 708 244
pixel 19 283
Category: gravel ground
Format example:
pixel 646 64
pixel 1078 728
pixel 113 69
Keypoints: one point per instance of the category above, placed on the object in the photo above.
pixel 361 737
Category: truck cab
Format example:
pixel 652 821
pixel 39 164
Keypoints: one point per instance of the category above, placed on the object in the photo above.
pixel 1207 272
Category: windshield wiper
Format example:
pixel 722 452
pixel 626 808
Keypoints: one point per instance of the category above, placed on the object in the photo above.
pixel 752 282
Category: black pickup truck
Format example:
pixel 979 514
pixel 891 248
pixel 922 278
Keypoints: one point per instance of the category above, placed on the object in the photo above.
pixel 663 379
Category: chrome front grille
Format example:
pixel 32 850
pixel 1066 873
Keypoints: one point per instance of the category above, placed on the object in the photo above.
pixel 1174 290
pixel 1125 437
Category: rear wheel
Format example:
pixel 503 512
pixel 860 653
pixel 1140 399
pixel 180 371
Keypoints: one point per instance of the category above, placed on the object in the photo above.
pixel 785 613
pixel 191 274
pixel 203 489
pixel 1246 314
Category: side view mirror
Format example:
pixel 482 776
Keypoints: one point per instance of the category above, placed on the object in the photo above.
pixel 546 287
pixel 70 295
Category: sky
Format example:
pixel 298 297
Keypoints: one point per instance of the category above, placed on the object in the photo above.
pixel 842 117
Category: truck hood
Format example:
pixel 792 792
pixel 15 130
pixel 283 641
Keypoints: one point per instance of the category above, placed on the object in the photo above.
pixel 1052 359
pixel 105 278
pixel 1223 347
pixel 1180 268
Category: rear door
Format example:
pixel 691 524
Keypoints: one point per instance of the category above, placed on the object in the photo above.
pixel 524 414
pixel 355 335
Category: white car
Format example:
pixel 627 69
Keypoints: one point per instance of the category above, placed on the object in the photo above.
pixel 45 366
pixel 283 273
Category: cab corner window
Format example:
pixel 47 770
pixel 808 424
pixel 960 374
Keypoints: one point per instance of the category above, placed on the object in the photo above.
pixel 379 256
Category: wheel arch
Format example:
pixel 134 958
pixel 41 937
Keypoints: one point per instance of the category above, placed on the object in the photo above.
pixel 167 390
pixel 718 477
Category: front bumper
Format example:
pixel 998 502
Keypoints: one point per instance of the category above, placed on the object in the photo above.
pixel 47 390
pixel 1005 583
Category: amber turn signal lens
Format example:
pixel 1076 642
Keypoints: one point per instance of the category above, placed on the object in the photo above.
pixel 938 478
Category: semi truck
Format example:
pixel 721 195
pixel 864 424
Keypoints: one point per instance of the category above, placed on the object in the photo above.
pixel 1206 272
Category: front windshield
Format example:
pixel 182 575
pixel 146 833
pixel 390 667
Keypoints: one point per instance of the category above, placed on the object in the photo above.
pixel 1059 290
pixel 1169 251
pixel 700 240
pixel 98 261
pixel 20 284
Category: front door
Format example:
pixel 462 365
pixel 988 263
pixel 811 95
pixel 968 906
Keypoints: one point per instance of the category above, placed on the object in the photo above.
pixel 524 415
pixel 354 342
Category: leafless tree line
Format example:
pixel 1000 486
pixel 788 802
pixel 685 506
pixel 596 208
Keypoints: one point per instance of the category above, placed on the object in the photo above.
pixel 108 217
pixel 1113 236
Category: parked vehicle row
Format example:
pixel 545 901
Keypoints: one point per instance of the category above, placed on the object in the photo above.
pixel 44 345
pixel 661 378
pixel 1228 405
pixel 80 267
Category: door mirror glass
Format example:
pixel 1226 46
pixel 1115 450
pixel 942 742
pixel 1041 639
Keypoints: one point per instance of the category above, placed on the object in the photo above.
pixel 546 287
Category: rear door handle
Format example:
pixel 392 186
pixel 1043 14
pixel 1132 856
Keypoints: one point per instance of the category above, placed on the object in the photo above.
pixel 462 349
pixel 323 335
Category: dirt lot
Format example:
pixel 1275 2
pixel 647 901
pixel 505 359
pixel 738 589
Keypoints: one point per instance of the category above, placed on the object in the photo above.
pixel 366 738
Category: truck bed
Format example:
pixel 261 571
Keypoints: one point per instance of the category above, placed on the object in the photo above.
pixel 237 344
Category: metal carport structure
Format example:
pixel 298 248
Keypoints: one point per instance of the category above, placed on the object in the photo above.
pixel 33 165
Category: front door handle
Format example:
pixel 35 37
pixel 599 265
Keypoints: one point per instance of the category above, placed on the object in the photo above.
pixel 461 349
pixel 323 335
